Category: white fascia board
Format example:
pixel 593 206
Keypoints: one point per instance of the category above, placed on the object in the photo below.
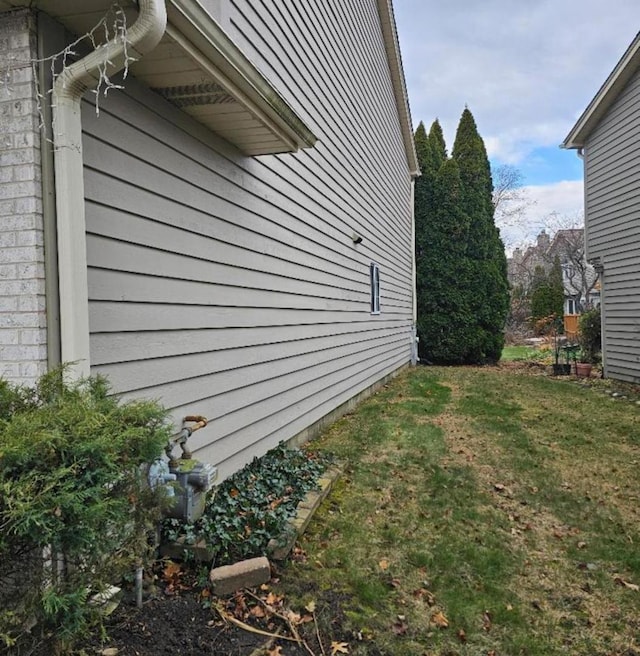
pixel 392 47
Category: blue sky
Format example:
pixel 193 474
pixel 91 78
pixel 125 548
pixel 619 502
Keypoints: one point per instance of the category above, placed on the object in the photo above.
pixel 526 70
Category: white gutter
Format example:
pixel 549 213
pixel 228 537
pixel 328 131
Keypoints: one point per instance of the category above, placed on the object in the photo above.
pixel 68 89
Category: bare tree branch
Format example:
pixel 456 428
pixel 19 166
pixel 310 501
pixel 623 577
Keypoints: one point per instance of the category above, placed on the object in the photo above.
pixel 510 200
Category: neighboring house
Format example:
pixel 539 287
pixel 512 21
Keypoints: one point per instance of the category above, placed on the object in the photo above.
pixel 580 279
pixel 607 136
pixel 233 233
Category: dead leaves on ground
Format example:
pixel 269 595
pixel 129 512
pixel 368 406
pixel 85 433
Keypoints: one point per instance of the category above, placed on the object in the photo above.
pixel 264 612
pixel 625 584
pixel 439 619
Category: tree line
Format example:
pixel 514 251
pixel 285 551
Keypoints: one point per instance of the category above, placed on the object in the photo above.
pixel 461 266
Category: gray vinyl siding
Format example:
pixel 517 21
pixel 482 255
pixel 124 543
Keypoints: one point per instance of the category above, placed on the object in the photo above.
pixel 230 286
pixel 612 190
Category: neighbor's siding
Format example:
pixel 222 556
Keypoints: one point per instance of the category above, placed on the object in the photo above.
pixel 23 325
pixel 229 286
pixel 612 179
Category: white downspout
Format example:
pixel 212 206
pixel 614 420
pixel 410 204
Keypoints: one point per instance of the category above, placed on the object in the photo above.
pixel 414 292
pixel 68 89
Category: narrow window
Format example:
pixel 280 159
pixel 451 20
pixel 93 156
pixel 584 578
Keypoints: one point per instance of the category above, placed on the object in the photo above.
pixel 374 274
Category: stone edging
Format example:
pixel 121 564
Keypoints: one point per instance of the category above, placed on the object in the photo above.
pixel 280 547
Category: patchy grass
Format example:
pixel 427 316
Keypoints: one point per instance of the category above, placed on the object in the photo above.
pixel 510 353
pixel 481 511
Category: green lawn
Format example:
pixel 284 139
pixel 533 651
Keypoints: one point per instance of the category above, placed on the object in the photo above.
pixel 510 353
pixel 480 512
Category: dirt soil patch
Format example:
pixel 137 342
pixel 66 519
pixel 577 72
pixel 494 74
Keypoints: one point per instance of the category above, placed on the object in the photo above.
pixel 251 623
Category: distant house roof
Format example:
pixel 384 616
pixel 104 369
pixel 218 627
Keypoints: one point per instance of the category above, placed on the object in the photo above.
pixel 606 96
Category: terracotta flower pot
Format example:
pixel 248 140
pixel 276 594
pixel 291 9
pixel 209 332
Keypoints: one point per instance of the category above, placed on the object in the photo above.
pixel 583 369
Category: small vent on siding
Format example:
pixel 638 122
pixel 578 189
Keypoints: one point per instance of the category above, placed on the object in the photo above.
pixel 196 94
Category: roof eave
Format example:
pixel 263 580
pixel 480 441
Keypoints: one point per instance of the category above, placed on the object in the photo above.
pixel 392 47
pixel 235 72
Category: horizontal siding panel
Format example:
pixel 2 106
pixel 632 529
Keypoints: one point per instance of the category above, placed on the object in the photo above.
pixel 254 21
pixel 626 105
pixel 244 384
pixel 229 286
pixel 624 371
pixel 291 181
pixel 111 316
pixel 279 409
pixel 122 287
pixel 335 396
pixel 109 348
pixel 209 192
pixel 244 366
pixel 629 347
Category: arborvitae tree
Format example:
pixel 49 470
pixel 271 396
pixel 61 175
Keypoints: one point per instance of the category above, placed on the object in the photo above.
pixel 487 285
pixel 438 145
pixel 423 207
pixel 444 317
pixel 547 292
pixel 556 287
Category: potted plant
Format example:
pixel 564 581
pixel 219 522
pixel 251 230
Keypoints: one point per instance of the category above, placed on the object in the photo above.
pixel 590 338
pixel 583 366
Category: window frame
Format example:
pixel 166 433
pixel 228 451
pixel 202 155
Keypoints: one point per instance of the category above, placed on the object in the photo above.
pixel 374 281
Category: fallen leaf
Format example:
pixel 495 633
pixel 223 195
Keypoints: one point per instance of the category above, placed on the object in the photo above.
pixel 110 651
pixel 440 620
pixel 275 651
pixel 400 627
pixel 582 545
pixel 172 570
pixel 258 611
pixel 462 636
pixel 425 595
pixel 620 581
pixel 273 599
pixel 486 621
pixel 384 564
pixel 498 487
pixel 311 606
pixel 339 648
pixel 293 617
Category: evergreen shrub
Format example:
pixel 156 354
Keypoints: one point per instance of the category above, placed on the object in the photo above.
pixel 75 510
pixel 590 335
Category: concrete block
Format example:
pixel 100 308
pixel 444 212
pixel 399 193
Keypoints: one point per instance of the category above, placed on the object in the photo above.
pixel 245 574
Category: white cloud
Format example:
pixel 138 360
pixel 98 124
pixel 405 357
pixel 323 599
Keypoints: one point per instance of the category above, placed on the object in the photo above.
pixel 553 206
pixel 525 69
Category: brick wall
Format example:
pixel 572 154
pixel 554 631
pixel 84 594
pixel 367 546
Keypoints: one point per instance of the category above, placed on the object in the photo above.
pixel 23 334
